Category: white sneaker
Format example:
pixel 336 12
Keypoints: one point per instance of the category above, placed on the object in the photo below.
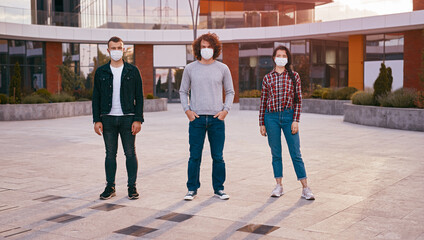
pixel 307 194
pixel 278 191
pixel 222 195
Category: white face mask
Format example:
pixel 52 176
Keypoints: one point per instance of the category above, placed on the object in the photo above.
pixel 116 55
pixel 207 53
pixel 281 62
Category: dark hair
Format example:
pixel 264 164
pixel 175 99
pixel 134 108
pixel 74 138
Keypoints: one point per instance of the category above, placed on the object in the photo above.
pixel 212 39
pixel 288 68
pixel 114 39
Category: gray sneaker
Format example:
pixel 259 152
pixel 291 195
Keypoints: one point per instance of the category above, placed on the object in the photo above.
pixel 190 195
pixel 278 191
pixel 222 195
pixel 307 194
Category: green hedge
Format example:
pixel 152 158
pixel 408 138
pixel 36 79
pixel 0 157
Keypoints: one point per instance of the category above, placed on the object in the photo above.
pixel 250 94
pixel 363 98
pixel 333 93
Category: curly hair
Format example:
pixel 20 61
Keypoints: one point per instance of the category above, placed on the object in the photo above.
pixel 212 39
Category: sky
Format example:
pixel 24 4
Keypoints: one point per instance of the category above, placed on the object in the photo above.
pixel 343 9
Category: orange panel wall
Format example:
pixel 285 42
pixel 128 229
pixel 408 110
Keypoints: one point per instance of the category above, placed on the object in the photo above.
pixel 356 61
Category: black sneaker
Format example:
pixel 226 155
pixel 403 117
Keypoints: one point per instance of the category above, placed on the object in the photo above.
pixel 108 193
pixel 190 195
pixel 222 195
pixel 132 193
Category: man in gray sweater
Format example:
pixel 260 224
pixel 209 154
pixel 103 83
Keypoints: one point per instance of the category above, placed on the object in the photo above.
pixel 206 111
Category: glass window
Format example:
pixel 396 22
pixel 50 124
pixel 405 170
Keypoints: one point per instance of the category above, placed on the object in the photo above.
pixel 343 53
pixel 3 51
pixel 3 79
pixel 286 44
pixel 34 53
pixel 135 11
pixel 287 15
pixel 153 13
pixel 331 52
pixel 298 47
pixel 217 9
pixel 393 46
pixel 375 47
pixel 119 10
pixel 88 53
pixel 17 51
pixel 317 52
pixel 103 56
pixel 129 54
pixel 35 78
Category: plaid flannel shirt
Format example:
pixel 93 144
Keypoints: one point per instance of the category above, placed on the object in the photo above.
pixel 277 94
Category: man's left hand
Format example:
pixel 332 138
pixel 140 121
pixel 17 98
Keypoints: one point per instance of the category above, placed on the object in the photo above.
pixel 136 127
pixel 221 115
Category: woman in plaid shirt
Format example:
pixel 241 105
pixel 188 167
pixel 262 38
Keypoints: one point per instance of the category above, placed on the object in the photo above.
pixel 281 104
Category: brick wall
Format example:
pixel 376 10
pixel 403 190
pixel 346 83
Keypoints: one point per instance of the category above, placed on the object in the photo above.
pixel 143 57
pixel 418 5
pixel 231 58
pixel 414 44
pixel 53 59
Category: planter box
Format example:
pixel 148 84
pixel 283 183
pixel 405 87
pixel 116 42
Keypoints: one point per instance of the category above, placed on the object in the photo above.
pixel 249 103
pixel 17 112
pixel 397 118
pixel 321 106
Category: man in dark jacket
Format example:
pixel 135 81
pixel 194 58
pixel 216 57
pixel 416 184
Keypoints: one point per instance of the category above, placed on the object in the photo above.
pixel 118 110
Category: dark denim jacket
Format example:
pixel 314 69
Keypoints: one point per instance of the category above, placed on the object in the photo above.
pixel 131 93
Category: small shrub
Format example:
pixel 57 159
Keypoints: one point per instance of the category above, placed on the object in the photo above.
pixel 63 97
pixel 329 94
pixel 345 93
pixel 3 99
pixel 150 96
pixel 401 98
pixel 321 93
pixel 83 93
pixel 44 93
pixel 363 98
pixel 83 99
pixel 250 94
pixel 33 99
pixel 383 83
pixel 419 101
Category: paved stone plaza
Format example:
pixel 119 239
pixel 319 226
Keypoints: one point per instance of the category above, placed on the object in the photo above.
pixel 368 182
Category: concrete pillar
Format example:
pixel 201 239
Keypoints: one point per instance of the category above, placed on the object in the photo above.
pixel 143 58
pixel 356 61
pixel 53 59
pixel 231 58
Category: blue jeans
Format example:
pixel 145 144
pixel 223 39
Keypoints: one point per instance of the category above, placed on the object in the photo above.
pixel 112 127
pixel 274 123
pixel 215 129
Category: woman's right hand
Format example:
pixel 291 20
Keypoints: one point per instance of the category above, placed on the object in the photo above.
pixel 262 129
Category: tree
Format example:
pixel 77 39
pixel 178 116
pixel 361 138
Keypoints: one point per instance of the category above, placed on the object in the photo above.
pixel 383 83
pixel 15 85
pixel 70 80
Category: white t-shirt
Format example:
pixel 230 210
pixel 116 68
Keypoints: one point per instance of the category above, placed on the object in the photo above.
pixel 116 96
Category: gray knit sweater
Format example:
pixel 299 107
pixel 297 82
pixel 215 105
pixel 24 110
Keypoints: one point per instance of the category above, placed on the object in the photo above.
pixel 206 82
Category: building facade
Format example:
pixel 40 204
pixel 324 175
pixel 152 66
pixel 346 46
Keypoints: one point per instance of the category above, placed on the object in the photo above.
pixel 45 34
